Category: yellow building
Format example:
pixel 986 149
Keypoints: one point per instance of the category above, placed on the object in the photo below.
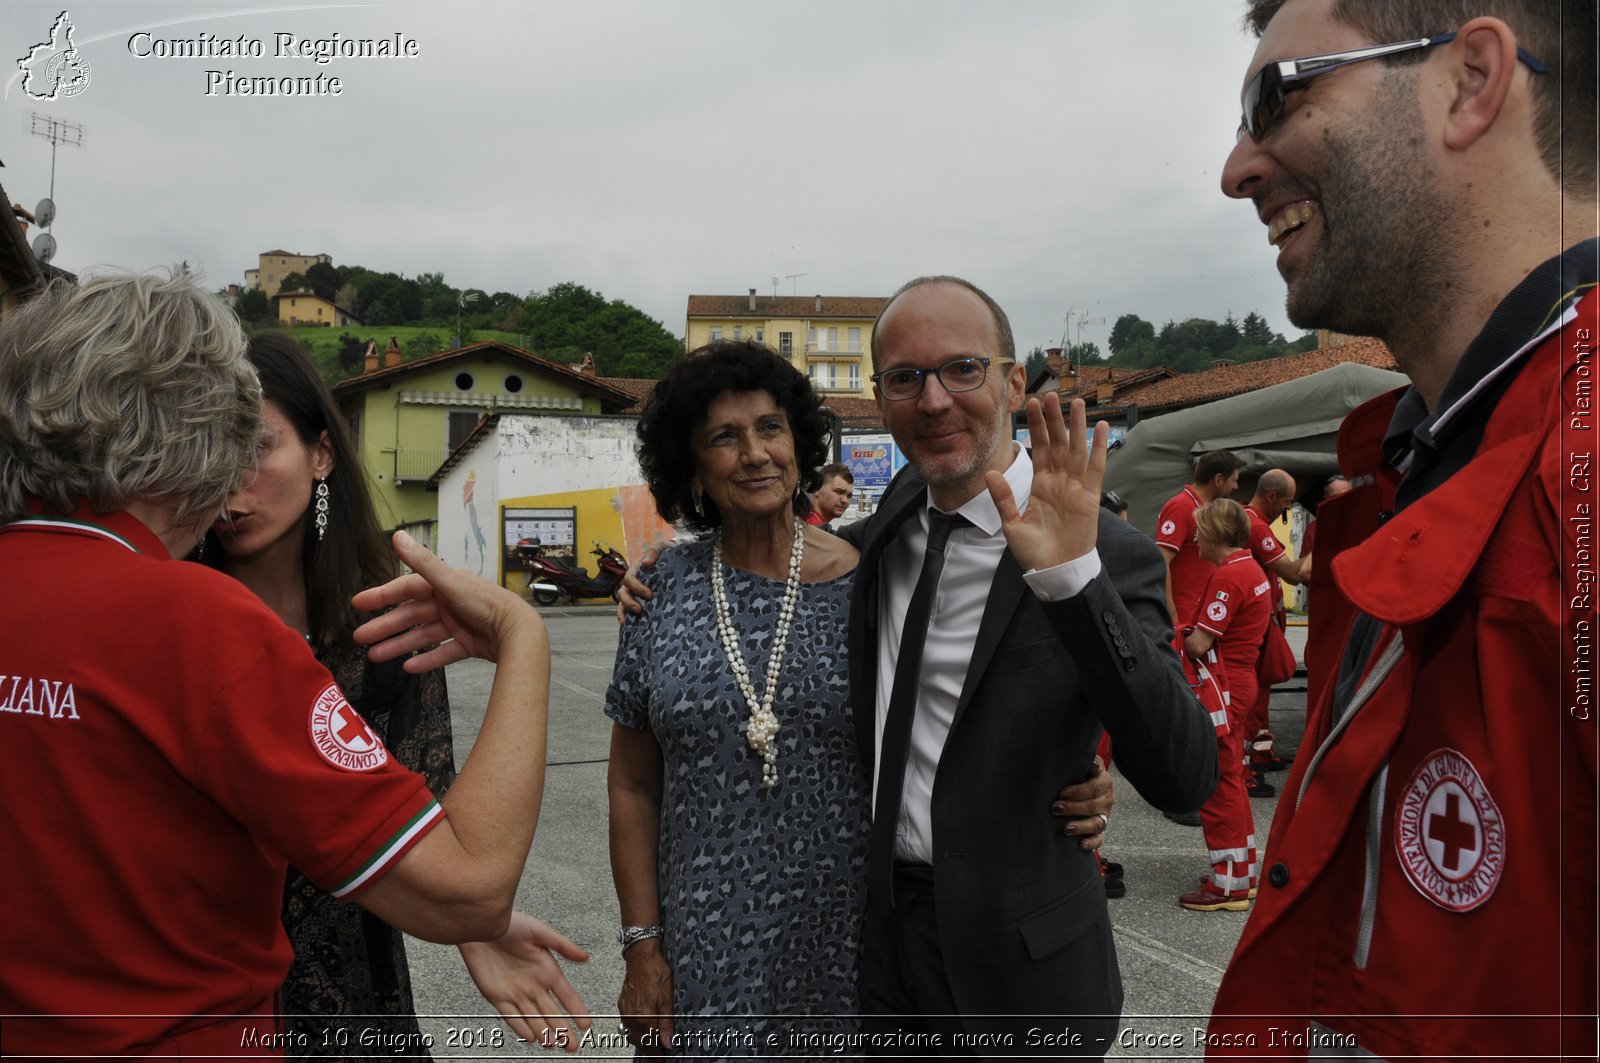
pixel 826 337
pixel 273 266
pixel 307 308
pixel 408 417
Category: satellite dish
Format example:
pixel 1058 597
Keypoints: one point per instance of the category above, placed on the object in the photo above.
pixel 44 248
pixel 44 213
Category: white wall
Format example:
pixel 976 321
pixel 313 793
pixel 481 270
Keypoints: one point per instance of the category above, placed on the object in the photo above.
pixel 528 454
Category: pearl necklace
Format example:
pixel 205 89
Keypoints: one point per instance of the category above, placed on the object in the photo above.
pixel 762 730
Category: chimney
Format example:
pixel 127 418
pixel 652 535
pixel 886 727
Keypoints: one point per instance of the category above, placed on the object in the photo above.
pixel 819 304
pixel 752 303
pixel 391 356
pixel 371 365
pixel 586 367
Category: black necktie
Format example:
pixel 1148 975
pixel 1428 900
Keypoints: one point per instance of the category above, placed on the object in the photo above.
pixel 903 706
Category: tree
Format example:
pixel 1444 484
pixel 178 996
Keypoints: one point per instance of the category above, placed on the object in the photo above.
pixel 1129 330
pixel 352 352
pixel 254 308
pixel 569 319
pixel 1255 329
pixel 347 297
pixel 424 344
pixel 323 280
pixel 1035 363
pixel 293 281
pixel 1083 354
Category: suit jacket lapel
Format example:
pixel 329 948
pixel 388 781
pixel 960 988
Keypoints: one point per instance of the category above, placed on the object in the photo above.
pixel 1004 595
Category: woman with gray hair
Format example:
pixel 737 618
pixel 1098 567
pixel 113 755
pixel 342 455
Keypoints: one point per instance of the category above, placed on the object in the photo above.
pixel 167 744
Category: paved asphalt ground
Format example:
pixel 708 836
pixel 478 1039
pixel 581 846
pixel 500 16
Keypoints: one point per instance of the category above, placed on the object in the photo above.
pixel 1171 959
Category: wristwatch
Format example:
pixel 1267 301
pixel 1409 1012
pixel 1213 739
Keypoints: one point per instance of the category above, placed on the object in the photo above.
pixel 632 935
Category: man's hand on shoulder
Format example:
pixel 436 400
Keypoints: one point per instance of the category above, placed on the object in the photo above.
pixel 632 595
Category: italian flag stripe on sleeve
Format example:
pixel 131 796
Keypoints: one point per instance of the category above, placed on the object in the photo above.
pixel 396 845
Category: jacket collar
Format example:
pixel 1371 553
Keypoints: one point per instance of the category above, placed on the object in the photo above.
pixel 1416 562
pixel 118 526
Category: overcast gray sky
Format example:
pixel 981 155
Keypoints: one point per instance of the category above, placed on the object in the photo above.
pixel 1060 153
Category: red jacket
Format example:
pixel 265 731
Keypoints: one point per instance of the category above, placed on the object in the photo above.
pixel 1430 885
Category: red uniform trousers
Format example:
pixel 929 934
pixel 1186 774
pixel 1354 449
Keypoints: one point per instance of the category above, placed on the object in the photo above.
pixel 1225 818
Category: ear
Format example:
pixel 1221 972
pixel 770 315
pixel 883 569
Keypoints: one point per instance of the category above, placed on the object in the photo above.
pixel 1484 62
pixel 1016 385
pixel 322 456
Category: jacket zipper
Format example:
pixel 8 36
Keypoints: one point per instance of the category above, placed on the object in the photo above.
pixel 1390 657
pixel 1392 652
pixel 1369 887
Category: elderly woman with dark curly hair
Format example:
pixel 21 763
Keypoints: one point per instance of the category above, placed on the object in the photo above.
pixel 738 821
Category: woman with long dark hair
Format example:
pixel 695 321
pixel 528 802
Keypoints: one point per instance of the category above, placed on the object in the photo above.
pixel 303 536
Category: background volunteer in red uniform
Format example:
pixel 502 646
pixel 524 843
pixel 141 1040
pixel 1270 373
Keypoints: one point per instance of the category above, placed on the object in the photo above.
pixel 1274 494
pixel 1216 475
pixel 1431 891
pixel 167 742
pixel 1231 617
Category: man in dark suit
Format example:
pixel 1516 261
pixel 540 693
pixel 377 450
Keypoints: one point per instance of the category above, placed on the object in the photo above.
pixel 1045 620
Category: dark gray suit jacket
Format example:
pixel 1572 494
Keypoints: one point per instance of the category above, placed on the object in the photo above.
pixel 1023 926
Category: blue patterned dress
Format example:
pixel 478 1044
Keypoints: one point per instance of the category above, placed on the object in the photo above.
pixel 762 891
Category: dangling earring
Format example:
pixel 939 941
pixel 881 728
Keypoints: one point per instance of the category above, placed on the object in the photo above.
pixel 200 548
pixel 322 508
pixel 694 503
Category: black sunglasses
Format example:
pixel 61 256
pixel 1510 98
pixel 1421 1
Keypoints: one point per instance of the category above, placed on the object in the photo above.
pixel 1265 97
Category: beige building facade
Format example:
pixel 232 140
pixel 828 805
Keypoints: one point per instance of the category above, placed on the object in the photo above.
pixel 827 337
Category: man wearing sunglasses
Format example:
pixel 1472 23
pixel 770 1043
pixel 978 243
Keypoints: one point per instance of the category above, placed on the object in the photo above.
pixel 1427 173
pixel 982 672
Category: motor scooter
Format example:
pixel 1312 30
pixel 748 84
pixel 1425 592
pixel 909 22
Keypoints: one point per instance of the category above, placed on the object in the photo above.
pixel 549 578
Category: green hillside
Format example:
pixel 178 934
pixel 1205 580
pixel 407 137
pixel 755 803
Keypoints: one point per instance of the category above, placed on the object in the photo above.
pixel 416 341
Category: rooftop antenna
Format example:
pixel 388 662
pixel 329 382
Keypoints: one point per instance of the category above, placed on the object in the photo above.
pixel 1084 319
pixel 56 132
pixel 774 287
pixel 794 279
pixel 1066 351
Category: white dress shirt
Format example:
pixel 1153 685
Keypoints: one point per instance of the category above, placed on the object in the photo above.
pixel 971 559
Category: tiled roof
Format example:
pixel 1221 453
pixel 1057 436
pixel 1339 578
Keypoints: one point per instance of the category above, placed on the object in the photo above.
pixel 484 426
pixel 638 388
pixel 611 399
pixel 1189 389
pixel 1085 381
pixel 851 411
pixel 801 306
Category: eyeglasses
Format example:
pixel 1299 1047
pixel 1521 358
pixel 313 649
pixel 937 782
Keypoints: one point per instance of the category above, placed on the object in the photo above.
pixel 1265 97
pixel 957 375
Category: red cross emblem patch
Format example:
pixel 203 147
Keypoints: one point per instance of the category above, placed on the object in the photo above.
pixel 1450 836
pixel 342 736
pixel 1217 611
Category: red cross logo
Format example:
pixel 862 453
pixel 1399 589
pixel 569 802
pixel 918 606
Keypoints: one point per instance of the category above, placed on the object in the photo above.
pixel 1448 834
pixel 352 729
pixel 1453 832
pixel 342 737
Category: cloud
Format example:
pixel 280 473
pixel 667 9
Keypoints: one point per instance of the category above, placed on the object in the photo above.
pixel 1063 155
